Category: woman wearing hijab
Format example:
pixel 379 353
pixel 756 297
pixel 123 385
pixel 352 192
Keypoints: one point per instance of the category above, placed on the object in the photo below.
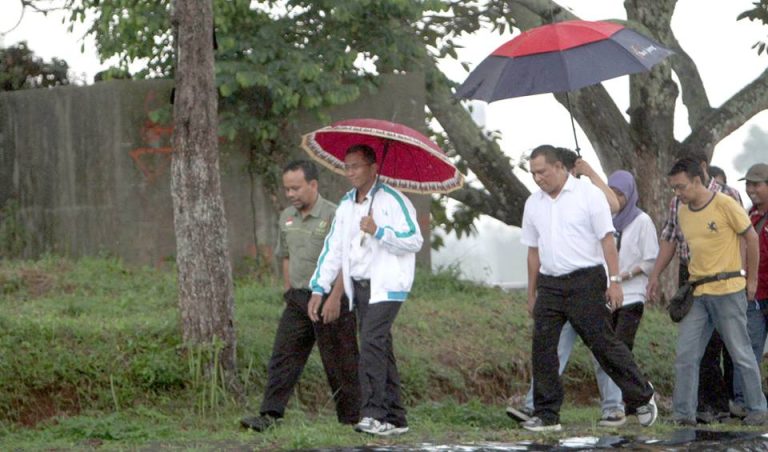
pixel 638 245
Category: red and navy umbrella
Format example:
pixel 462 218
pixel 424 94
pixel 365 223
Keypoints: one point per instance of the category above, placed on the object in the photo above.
pixel 407 159
pixel 561 57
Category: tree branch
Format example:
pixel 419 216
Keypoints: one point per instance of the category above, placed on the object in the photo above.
pixel 484 203
pixel 484 156
pixel 720 122
pixel 35 6
pixel 603 123
pixel 692 87
pixel 532 13
pixel 657 15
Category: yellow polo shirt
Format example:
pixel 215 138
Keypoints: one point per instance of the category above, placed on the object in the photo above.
pixel 713 233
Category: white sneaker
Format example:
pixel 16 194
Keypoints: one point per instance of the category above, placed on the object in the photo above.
pixel 536 424
pixel 384 429
pixel 521 414
pixel 647 414
pixel 614 418
pixel 364 424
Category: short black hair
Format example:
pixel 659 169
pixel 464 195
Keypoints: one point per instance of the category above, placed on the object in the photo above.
pixel 715 171
pixel 308 168
pixel 368 153
pixel 568 157
pixel 551 154
pixel 690 166
pixel 698 156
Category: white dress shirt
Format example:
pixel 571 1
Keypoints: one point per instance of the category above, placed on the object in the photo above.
pixel 567 229
pixel 360 255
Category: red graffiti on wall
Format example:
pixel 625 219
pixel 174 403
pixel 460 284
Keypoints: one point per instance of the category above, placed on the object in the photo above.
pixel 154 157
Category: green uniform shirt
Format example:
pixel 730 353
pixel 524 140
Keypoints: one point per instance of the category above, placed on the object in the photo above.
pixel 301 239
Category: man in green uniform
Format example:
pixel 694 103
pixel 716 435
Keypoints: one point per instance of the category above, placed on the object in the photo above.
pixel 303 228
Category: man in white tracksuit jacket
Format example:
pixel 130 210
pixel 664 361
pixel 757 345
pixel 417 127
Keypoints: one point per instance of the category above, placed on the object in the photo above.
pixel 375 248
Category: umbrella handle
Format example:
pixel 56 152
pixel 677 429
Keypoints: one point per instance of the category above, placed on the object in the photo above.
pixel 376 185
pixel 573 124
pixel 370 207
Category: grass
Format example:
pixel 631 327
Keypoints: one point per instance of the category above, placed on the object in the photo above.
pixel 90 356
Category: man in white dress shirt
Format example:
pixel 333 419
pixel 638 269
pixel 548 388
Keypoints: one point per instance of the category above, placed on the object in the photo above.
pixel 568 229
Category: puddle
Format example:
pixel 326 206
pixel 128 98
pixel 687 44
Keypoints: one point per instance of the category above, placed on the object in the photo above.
pixel 689 439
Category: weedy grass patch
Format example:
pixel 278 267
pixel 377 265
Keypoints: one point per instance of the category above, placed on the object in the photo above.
pixel 91 355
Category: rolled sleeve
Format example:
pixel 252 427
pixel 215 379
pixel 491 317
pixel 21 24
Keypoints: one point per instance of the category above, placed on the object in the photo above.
pixel 529 236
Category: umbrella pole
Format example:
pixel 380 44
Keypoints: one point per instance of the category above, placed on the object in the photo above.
pixel 376 185
pixel 573 124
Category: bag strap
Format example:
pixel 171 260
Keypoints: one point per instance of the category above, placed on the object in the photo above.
pixel 761 224
pixel 717 277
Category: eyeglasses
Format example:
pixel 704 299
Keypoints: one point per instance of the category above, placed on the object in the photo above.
pixel 679 187
pixel 355 166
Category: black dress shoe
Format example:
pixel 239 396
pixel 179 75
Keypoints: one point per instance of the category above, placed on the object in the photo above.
pixel 706 417
pixel 259 423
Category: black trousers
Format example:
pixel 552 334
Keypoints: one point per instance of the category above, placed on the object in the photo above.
pixel 625 322
pixel 379 378
pixel 296 335
pixel 579 297
pixel 715 370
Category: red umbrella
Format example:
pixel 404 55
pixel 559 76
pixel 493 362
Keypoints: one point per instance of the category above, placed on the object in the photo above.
pixel 407 159
pixel 561 57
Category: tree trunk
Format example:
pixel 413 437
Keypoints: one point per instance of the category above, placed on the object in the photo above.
pixel 206 299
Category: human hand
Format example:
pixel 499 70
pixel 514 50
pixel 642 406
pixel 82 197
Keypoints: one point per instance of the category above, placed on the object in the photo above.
pixel 652 288
pixel 368 225
pixel 331 308
pixel 751 289
pixel 581 167
pixel 313 309
pixel 615 296
pixel 531 303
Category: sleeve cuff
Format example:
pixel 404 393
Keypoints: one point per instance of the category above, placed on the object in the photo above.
pixel 379 233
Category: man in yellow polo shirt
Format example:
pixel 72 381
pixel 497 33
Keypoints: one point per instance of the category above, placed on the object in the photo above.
pixel 712 224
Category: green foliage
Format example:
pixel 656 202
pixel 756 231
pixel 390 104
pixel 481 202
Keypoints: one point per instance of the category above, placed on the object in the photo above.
pixel 278 58
pixel 21 69
pixel 131 30
pixel 461 221
pixel 112 73
pixel 90 336
pixel 91 355
pixel 207 378
pixel 759 13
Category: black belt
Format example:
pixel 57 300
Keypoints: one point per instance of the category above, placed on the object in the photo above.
pixel 574 274
pixel 362 283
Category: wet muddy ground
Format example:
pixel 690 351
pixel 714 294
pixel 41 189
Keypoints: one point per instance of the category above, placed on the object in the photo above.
pixel 686 439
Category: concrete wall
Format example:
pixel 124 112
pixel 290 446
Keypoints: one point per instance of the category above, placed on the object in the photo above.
pixel 90 170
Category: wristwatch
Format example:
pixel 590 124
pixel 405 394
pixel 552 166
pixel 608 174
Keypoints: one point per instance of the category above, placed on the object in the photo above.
pixel 616 278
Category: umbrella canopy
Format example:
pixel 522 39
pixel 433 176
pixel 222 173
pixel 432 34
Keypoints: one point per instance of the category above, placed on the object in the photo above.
pixel 407 159
pixel 561 57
